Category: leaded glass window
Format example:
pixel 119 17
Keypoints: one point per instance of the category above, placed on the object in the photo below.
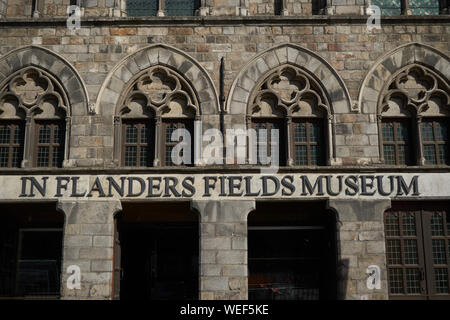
pixel 136 142
pixel 49 147
pixel 169 126
pixel 424 7
pixel 435 141
pixel 265 140
pixel 307 136
pixel 139 8
pixel 396 137
pixel 181 7
pixel 11 144
pixel 418 251
pixel 389 7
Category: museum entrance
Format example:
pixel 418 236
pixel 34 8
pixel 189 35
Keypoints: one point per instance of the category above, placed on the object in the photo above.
pixel 291 252
pixel 156 252
pixel 30 251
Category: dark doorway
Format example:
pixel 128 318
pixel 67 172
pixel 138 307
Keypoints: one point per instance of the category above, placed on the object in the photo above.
pixel 30 251
pixel 291 252
pixel 159 247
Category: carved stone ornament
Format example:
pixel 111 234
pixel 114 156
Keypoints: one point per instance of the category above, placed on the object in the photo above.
pixel 30 92
pixel 288 91
pixel 159 91
pixel 417 87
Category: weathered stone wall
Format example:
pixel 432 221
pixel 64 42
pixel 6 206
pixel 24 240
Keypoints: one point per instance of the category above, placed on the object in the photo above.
pixel 350 49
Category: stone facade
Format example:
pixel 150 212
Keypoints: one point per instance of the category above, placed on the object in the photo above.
pixel 96 63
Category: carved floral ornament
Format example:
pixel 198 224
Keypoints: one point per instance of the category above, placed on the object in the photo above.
pixel 32 91
pixel 289 91
pixel 161 92
pixel 416 89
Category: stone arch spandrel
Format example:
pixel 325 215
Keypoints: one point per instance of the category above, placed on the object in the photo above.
pixel 294 55
pixel 388 64
pixel 153 55
pixel 56 65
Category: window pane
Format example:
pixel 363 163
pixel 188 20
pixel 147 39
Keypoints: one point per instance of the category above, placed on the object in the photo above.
pixel 315 155
pixel 168 159
pixel 181 7
pixel 411 256
pixel 429 153
pixel 301 157
pixel 393 251
pixel 4 134
pixel 43 156
pixel 424 7
pixel 441 278
pixel 131 134
pixel 396 280
pixel 439 254
pixel 18 135
pixel 441 131
pixel 56 133
pixel 388 7
pixel 442 153
pixel 409 224
pixel 388 132
pixel 427 132
pixel 16 157
pixel 413 280
pixel 143 157
pixel 4 154
pixel 448 226
pixel 314 135
pixel 300 132
pixel 56 156
pixel 44 134
pixel 402 132
pixel 137 8
pixel 389 154
pixel 392 225
pixel 144 134
pixel 437 228
pixel 130 155
pixel 403 152
pixel 169 130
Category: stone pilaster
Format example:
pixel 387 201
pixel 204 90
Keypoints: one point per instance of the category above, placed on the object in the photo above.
pixel 223 248
pixel 88 243
pixel 360 243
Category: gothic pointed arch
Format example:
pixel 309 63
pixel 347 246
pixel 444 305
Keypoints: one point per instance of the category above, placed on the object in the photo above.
pixel 164 56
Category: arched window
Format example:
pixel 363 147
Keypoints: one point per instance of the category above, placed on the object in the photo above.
pixel 137 8
pixel 33 127
pixel 413 117
pixel 292 101
pixel 156 103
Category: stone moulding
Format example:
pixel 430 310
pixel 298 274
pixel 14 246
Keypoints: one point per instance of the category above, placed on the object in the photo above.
pixel 55 65
pixel 288 54
pixel 385 67
pixel 162 55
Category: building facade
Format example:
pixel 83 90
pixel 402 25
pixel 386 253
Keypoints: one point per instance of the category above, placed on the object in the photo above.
pixel 94 206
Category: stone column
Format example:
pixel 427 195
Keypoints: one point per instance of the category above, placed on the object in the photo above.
pixel 88 243
pixel 223 248
pixel 360 243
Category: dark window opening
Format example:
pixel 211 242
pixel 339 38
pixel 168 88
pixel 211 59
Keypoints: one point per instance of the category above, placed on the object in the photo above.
pixel 396 135
pixel 291 254
pixel 308 147
pixel 49 145
pixel 266 142
pixel 278 7
pixel 30 251
pixel 167 145
pixel 435 141
pixel 157 255
pixel 142 8
pixel 418 251
pixel 319 7
pixel 11 143
pixel 138 143
pixel 181 7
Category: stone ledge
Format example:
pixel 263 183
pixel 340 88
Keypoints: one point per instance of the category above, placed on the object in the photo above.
pixel 226 20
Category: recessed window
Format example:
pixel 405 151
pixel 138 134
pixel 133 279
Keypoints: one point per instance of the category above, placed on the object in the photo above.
pixel 137 136
pixel 49 147
pixel 139 8
pixel 169 126
pixel 269 139
pixel 11 144
pixel 307 142
pixel 181 7
pixel 435 141
pixel 417 251
pixel 396 137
